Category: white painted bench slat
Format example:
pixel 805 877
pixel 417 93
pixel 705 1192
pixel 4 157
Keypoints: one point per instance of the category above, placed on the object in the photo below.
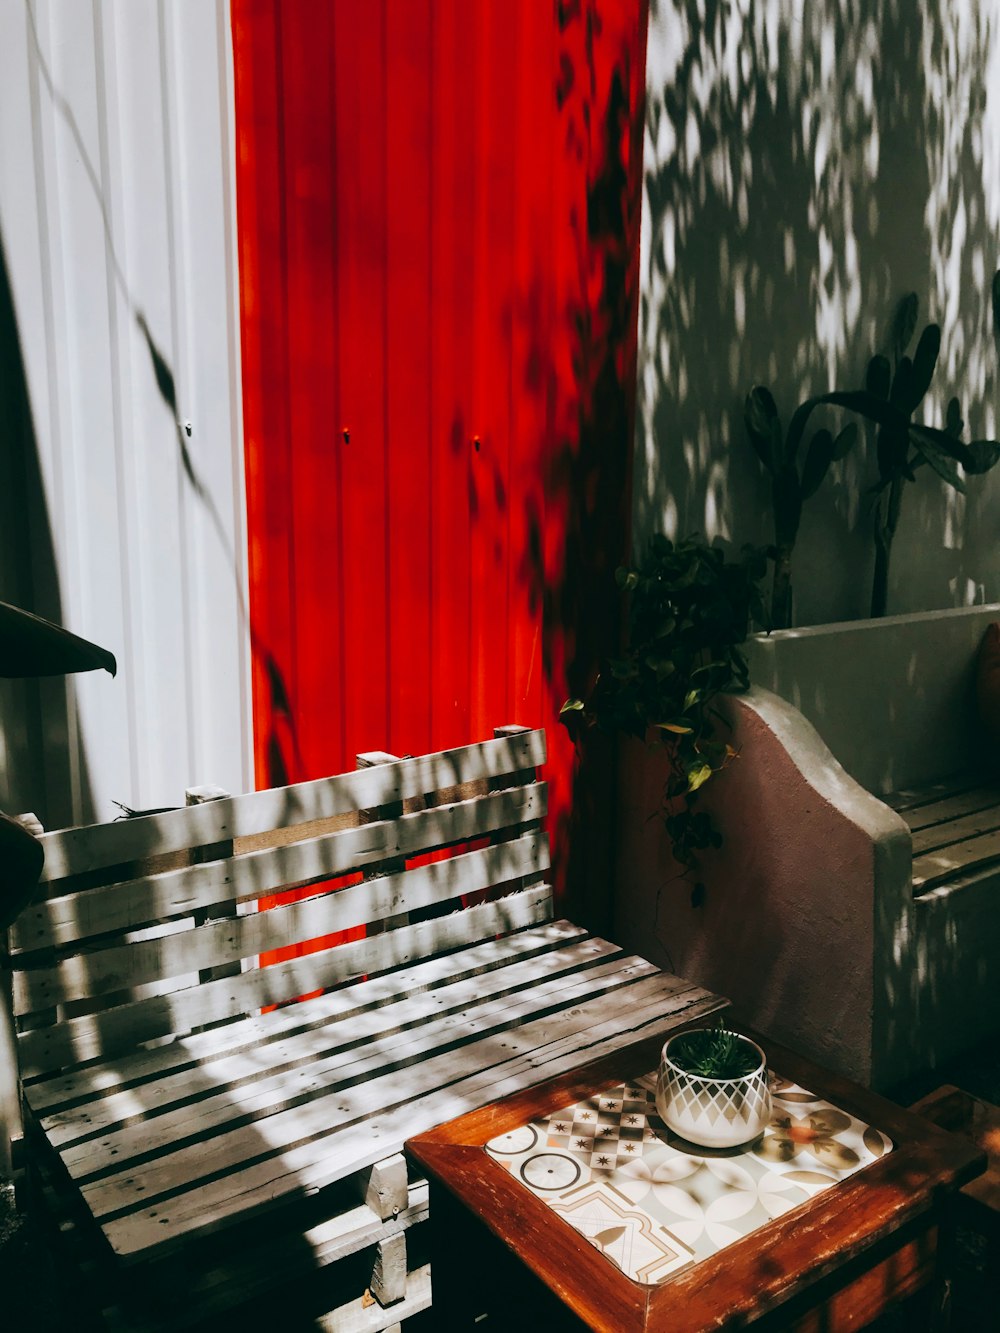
pixel 207 1112
pixel 255 874
pixel 158 1091
pixel 957 830
pixel 539 949
pixel 938 812
pixel 457 1083
pixel 233 938
pixel 72 851
pixel 186 1108
pixel 118 1030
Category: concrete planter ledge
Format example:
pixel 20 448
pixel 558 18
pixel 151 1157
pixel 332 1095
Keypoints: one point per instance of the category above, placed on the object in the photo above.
pixel 810 923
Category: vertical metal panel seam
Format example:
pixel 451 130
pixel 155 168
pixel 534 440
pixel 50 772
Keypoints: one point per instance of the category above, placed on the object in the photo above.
pixel 103 83
pixel 55 380
pixel 386 621
pixel 292 680
pixel 431 313
pixel 167 67
pixel 227 113
pixel 343 418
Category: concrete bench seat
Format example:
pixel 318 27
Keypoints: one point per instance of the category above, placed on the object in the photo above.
pixel 851 911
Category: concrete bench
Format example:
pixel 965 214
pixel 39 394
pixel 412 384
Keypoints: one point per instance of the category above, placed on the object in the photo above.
pixel 218 1075
pixel 852 909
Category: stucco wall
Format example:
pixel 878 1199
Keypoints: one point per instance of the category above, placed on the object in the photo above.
pixel 893 699
pixel 121 462
pixel 806 165
pixel 804 899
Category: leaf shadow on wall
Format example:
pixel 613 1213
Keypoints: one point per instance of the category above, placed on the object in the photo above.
pixel 586 471
pixel 283 741
pixel 801 174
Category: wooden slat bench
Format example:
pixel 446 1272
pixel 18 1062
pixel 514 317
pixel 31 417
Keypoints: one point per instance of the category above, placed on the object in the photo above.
pixel 233 1146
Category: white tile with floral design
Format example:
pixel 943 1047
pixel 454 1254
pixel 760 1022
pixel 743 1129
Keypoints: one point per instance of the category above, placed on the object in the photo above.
pixel 654 1204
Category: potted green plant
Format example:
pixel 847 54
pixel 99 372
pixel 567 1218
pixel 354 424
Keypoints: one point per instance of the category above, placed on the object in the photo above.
pixel 712 1088
pixel 690 608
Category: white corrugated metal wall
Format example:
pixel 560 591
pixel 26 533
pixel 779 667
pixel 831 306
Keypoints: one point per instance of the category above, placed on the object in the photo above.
pixel 117 214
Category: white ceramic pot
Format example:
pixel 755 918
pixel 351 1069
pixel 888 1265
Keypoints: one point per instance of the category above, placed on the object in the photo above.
pixel 713 1112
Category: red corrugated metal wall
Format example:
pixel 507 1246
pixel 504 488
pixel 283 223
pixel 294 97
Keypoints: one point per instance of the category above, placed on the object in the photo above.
pixel 438 205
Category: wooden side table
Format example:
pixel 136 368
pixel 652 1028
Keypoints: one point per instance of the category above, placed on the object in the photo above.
pixel 503 1259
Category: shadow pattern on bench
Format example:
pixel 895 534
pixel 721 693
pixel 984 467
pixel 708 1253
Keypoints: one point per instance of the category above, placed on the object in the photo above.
pixel 231 1140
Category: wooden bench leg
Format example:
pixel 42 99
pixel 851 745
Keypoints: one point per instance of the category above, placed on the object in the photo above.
pixel 384 1188
pixel 388 1282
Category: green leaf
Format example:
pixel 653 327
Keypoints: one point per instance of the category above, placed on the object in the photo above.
pixel 786 498
pixel 924 361
pixel 572 706
pixel 662 667
pixel 863 402
pixel 954 425
pixel 902 386
pixel 760 415
pixel 941 440
pixel 942 465
pixel 698 775
pixel 845 441
pixel 692 697
pixel 878 376
pixel 983 455
pixel 678 728
pixel 819 456
pixel 904 322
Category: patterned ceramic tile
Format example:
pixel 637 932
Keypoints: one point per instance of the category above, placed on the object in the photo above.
pixel 654 1204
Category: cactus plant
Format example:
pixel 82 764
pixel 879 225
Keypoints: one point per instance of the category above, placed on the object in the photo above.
pixel 792 483
pixel 893 391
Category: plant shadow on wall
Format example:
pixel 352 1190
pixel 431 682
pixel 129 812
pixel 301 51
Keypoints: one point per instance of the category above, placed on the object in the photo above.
pixel 801 171
pixel 895 386
pixel 588 404
pixel 283 747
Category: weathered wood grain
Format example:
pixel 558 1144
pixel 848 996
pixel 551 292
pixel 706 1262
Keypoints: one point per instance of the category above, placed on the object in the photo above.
pixel 474 965
pixel 97 912
pixel 334 1090
pixel 73 850
pixel 214 943
pixel 117 1030
pixel 146 1090
pixel 520 1059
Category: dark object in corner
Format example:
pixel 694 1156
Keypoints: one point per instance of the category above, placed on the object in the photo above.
pixel 21 859
pixel 31 646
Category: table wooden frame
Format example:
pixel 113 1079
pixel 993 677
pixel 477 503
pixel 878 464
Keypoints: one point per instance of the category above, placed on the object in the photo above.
pixel 877 1227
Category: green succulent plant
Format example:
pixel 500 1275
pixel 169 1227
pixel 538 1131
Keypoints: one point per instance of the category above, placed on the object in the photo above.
pixel 714 1053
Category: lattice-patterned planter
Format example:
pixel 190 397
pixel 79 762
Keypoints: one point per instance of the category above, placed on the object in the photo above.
pixel 713 1112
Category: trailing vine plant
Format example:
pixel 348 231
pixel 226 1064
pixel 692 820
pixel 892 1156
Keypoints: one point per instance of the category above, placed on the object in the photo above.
pixel 689 609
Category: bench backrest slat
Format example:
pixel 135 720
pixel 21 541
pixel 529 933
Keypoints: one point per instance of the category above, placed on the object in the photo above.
pixel 158 926
pixel 73 851
pixel 115 1031
pixel 104 909
pixel 217 942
